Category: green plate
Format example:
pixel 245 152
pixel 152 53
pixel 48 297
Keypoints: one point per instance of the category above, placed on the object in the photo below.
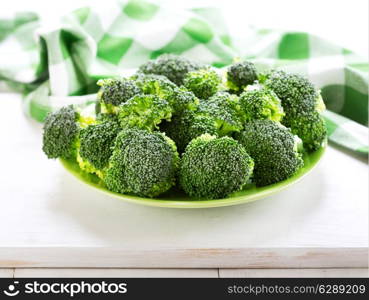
pixel 178 199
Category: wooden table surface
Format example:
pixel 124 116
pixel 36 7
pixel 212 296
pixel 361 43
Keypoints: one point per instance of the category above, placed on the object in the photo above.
pixel 50 220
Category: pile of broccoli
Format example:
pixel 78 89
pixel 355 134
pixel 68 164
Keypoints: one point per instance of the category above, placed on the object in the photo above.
pixel 178 123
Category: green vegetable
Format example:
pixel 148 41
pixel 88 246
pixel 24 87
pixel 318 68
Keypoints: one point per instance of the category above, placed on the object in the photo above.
pixel 188 125
pixel 298 95
pixel 143 163
pixel 179 98
pixel 171 66
pixel 310 127
pixel 302 104
pixel 106 117
pixel 258 103
pixel 241 74
pixel 144 112
pixel 96 146
pixel 203 83
pixel 213 167
pixel 255 132
pixel 115 91
pixel 182 100
pixel 224 109
pixel 60 136
pixel 152 84
pixel 275 150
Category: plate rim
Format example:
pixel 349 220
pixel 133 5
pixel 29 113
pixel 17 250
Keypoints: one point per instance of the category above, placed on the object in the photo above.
pixel 192 204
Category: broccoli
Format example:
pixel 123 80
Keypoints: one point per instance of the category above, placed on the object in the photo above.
pixel 224 109
pixel 310 127
pixel 302 104
pixel 258 103
pixel 214 167
pixel 296 92
pixel 115 91
pixel 275 150
pixel 178 98
pixel 203 83
pixel 61 130
pixel 106 117
pixel 143 163
pixel 255 132
pixel 171 66
pixel 144 112
pixel 96 146
pixel 182 100
pixel 155 85
pixel 188 125
pixel 241 74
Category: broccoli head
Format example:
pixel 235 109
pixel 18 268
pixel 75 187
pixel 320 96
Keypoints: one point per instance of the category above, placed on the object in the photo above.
pixel 144 112
pixel 106 117
pixel 298 95
pixel 179 98
pixel 171 66
pixel 186 126
pixel 152 84
pixel 310 127
pixel 214 167
pixel 96 146
pixel 61 130
pixel 224 109
pixel 275 150
pixel 203 83
pixel 182 100
pixel 241 74
pixel 258 103
pixel 115 91
pixel 143 163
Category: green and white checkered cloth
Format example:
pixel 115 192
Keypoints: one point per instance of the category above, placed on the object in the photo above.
pixel 58 66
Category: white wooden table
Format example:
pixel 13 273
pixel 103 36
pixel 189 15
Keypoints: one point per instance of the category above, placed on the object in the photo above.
pixel 50 220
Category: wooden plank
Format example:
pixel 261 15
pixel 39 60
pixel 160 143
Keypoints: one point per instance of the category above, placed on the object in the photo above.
pixel 292 273
pixel 6 273
pixel 101 257
pixel 115 273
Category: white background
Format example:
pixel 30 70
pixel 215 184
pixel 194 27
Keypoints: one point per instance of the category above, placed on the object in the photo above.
pixel 344 22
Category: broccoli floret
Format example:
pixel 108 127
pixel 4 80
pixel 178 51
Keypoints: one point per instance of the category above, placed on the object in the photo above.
pixel 115 91
pixel 275 150
pixel 302 104
pixel 214 167
pixel 155 85
pixel 143 163
pixel 106 117
pixel 186 126
pixel 241 74
pixel 258 103
pixel 171 66
pixel 224 109
pixel 96 146
pixel 310 127
pixel 182 100
pixel 297 94
pixel 179 98
pixel 61 130
pixel 144 112
pixel 203 83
